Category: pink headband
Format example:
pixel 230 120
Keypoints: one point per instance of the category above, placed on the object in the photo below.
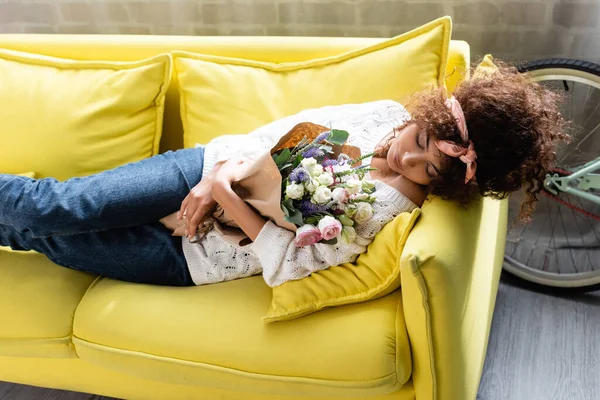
pixel 466 154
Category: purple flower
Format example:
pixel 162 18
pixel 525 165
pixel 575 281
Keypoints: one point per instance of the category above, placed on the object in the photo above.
pixel 299 174
pixel 329 162
pixel 313 152
pixel 322 136
pixel 308 208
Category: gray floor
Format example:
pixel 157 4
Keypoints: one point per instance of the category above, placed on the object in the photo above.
pixel 542 347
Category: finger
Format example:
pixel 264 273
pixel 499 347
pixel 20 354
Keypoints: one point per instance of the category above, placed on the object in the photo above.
pixel 191 211
pixel 196 219
pixel 184 204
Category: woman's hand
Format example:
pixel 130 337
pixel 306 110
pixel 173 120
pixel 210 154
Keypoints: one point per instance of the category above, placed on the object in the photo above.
pixel 232 169
pixel 245 217
pixel 198 203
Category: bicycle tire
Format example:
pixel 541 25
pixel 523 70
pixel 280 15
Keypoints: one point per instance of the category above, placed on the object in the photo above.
pixel 583 72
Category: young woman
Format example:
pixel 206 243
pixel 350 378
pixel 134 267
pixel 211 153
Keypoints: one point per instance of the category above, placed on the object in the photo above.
pixel 497 134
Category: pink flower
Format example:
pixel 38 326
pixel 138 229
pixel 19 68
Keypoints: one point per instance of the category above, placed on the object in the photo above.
pixel 307 235
pixel 329 227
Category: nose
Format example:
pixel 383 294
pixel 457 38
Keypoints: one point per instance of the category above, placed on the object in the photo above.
pixel 411 159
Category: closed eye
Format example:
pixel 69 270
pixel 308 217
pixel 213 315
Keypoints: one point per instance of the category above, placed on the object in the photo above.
pixel 418 140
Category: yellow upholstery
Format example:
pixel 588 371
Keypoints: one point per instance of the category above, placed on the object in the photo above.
pixel 37 303
pixel 375 273
pixel 64 118
pixel 210 341
pixel 135 341
pixel 224 95
pixel 450 278
pixel 79 375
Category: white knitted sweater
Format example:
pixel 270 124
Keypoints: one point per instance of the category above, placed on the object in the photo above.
pixel 215 259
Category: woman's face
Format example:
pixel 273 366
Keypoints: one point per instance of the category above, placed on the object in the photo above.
pixel 413 155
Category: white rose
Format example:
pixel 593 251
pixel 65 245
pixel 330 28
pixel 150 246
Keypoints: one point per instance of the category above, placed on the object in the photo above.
pixel 316 170
pixel 344 178
pixel 312 185
pixel 340 195
pixel 294 191
pixel 325 179
pixel 364 212
pixel 322 195
pixel 341 168
pixel 308 163
pixel 353 186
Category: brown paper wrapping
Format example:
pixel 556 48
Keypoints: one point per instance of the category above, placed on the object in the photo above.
pixel 260 187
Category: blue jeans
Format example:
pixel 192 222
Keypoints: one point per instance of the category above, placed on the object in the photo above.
pixel 107 223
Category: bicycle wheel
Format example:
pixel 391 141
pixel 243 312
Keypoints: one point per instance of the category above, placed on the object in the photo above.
pixel 560 247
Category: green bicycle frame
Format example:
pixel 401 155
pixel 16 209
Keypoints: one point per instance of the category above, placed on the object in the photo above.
pixel 554 182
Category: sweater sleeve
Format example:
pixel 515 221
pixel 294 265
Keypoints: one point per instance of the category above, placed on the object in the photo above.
pixel 282 261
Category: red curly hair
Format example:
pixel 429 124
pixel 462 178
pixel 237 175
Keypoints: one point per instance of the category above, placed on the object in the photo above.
pixel 515 125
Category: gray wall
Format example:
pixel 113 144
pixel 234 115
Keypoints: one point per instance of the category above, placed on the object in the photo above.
pixel 516 30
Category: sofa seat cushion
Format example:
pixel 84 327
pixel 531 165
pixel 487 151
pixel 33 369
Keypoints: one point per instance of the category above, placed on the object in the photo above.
pixel 37 302
pixel 213 336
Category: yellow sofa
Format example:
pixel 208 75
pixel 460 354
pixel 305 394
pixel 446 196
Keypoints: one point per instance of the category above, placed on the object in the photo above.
pixel 69 330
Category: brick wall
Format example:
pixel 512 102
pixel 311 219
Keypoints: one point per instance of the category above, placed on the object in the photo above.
pixel 515 30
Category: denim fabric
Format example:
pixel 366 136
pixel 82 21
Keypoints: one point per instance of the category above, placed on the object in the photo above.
pixel 106 223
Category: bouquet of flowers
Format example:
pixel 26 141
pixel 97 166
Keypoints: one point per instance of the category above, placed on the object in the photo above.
pixel 310 183
pixel 324 192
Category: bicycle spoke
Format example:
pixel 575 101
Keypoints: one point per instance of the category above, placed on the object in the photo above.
pixel 590 222
pixel 587 96
pixel 579 144
pixel 566 235
pixel 533 246
pixel 592 114
pixel 552 232
pixel 582 234
pixel 572 100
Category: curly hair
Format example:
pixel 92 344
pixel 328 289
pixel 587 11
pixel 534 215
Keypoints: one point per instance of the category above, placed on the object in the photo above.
pixel 515 125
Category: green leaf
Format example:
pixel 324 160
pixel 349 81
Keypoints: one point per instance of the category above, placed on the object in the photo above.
pixel 288 203
pixel 295 217
pixel 312 220
pixel 284 168
pixel 297 161
pixel 338 137
pixel 282 158
pixel 330 241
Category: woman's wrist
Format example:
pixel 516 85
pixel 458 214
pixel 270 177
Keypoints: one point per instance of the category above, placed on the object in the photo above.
pixel 245 217
pixel 220 188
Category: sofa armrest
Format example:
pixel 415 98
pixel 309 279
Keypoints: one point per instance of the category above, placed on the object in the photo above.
pixel 450 270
